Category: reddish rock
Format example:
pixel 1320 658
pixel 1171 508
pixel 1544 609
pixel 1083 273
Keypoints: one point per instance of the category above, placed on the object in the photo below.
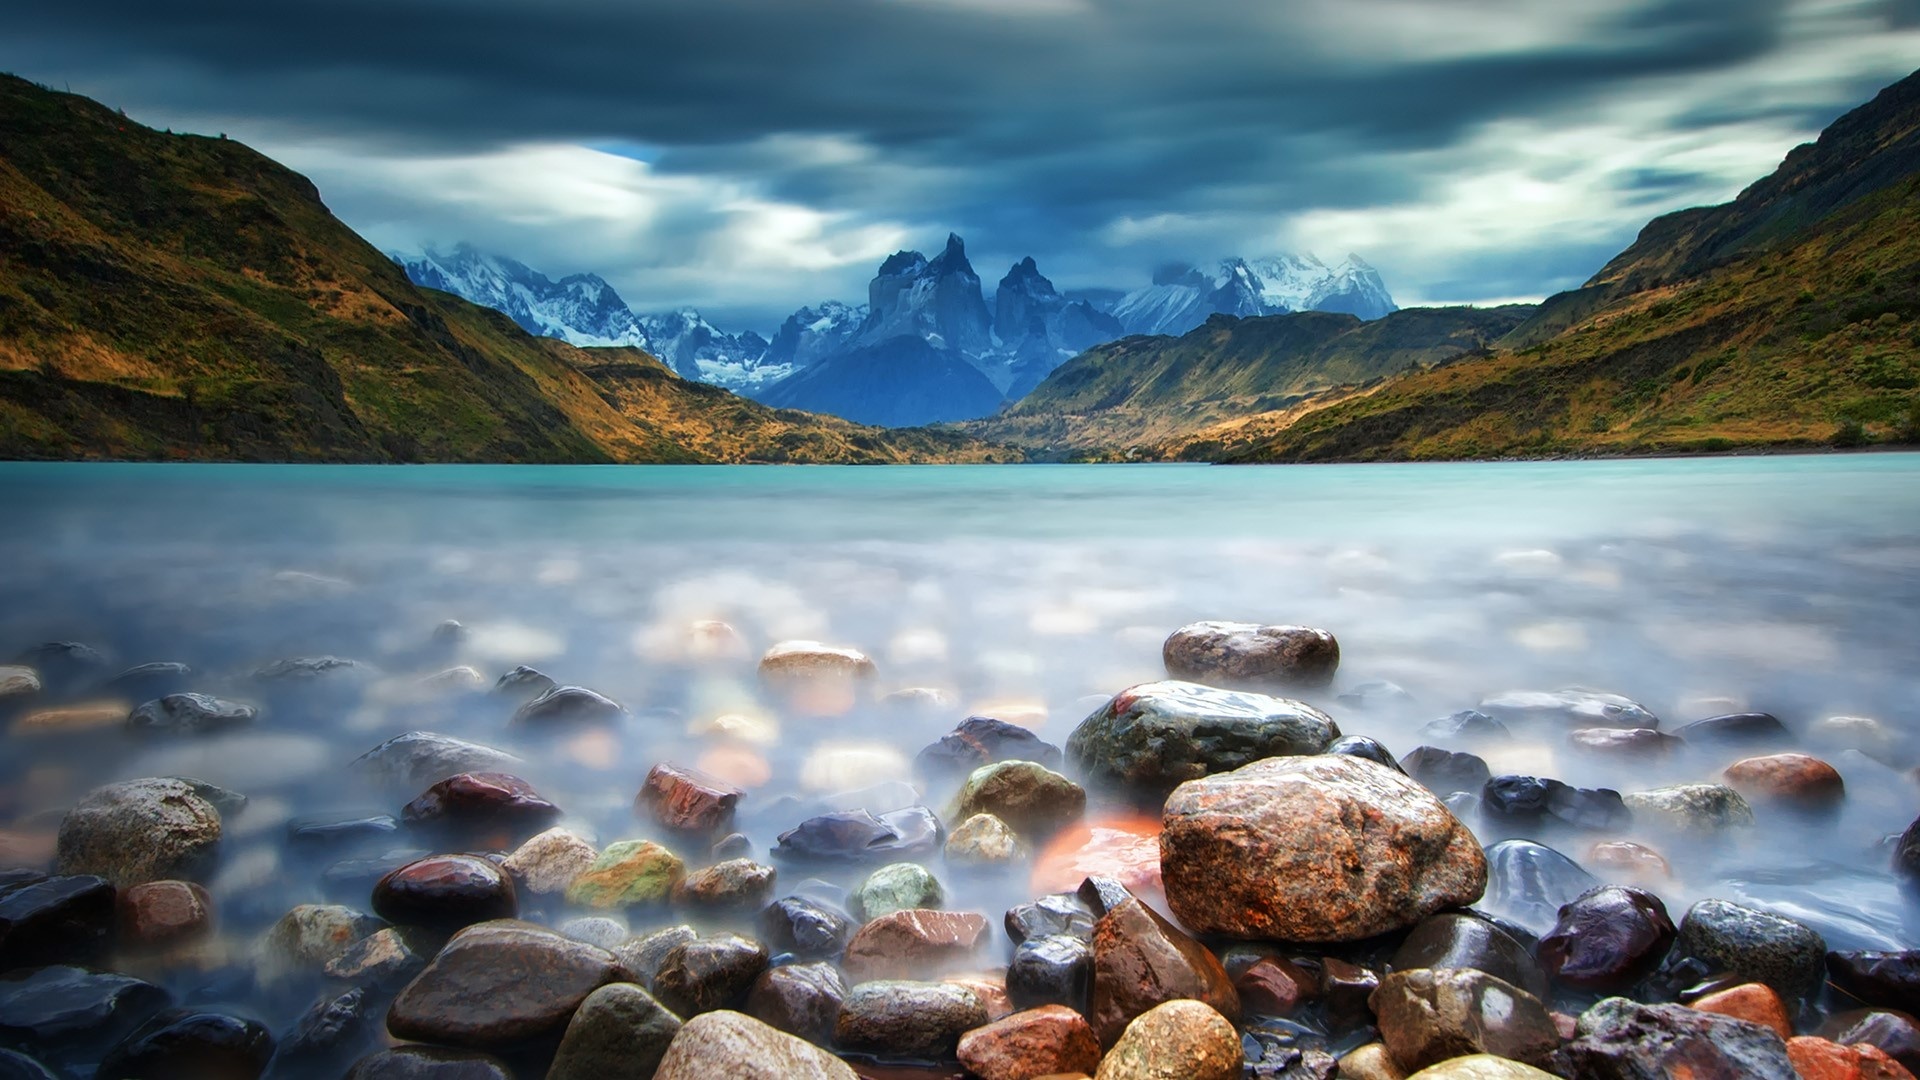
pixel 1636 744
pixel 733 885
pixel 164 912
pixel 990 989
pixel 1275 987
pixel 1320 848
pixel 1607 938
pixel 1753 1002
pixel 1141 960
pixel 1820 1059
pixel 1628 860
pixel 1126 849
pixel 1030 1044
pixel 486 804
pixel 1891 1030
pixel 445 892
pixel 1796 780
pixel 1347 989
pixel 1249 654
pixel 914 944
pixel 1430 1015
pixel 687 801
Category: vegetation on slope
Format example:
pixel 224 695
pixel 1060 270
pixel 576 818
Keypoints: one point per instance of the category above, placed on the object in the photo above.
pixel 175 296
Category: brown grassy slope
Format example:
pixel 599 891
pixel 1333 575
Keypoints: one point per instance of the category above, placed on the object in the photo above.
pixel 171 296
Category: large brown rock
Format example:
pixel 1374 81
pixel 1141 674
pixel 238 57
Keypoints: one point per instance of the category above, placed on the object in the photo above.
pixel 687 800
pixel 1177 1040
pixel 738 1047
pixel 499 985
pixel 138 831
pixel 1141 960
pixel 1322 848
pixel 1792 780
pixel 1249 654
pixel 1429 1015
pixel 915 943
pixel 1049 1039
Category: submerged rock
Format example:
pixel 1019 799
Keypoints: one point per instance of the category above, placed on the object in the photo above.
pixel 1155 736
pixel 1527 883
pixel 190 1044
pixel 46 920
pixel 1573 708
pixel 154 914
pixel 1791 780
pixel 686 800
pixel 983 840
pixel 804 927
pixel 1031 798
pixel 1253 655
pixel 1533 800
pixel 812 679
pixel 487 801
pixel 1691 808
pixel 419 758
pixel 69 1014
pixel 897 887
pixel 570 705
pixel 1466 726
pixel 1324 848
pixel 523 684
pixel 190 714
pixel 983 740
pixel 856 836
pixel 429 1063
pixel 138 831
pixel 1445 771
pixel 1737 729
pixel 1891 979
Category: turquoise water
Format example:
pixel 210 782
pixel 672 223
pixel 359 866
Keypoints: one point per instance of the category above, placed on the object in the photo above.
pixel 1790 584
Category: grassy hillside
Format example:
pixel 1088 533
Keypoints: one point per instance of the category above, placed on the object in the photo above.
pixel 173 296
pixel 1786 318
pixel 1192 396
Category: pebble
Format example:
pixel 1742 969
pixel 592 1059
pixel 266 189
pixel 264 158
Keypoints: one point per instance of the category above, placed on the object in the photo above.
pixel 1737 729
pixel 983 740
pixel 64 666
pixel 1446 771
pixel 416 759
pixel 619 1033
pixel 446 892
pixel 1325 848
pixel 897 887
pixel 907 1019
pixel 381 960
pixel 1466 726
pixel 1428 1015
pixel 1155 736
pixel 190 1044
pixel 1524 801
pixel 733 885
pixel 308 937
pixel 686 800
pixel 1481 1067
pixel 1252 655
pixel 50 919
pixel 340 831
pixel 804 927
pixel 915 942
pixel 1361 746
pixel 1793 780
pixel 1347 990
pixel 813 679
pixel 500 985
pixel 708 973
pixel 523 684
pixel 1891 979
pixel 1141 960
pixel 429 1063
pixel 1699 809
pixel 157 913
pixel 1753 946
pixel 1176 1040
pixel 627 873
pixel 1527 883
pixel 1890 1030
pixel 1453 940
pixel 326 1037
pixel 569 705
pixel 1753 1002
pixel 1037 1042
pixel 1052 969
pixel 1570 708
pixel 642 956
pixel 548 862
pixel 189 714
pixel 471 803
pixel 799 999
pixel 1275 986
pixel 1619 1039
pixel 141 830
pixel 738 1047
pixel 1631 744
pixel 1607 939
pixel 983 840
pixel 1032 799
pixel 1057 913
pixel 68 1015
pixel 857 836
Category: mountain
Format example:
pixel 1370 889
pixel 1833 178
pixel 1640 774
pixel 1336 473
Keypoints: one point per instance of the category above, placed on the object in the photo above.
pixel 813 333
pixel 1182 297
pixel 936 300
pixel 1041 328
pixel 693 347
pixel 902 382
pixel 182 297
pixel 1783 318
pixel 1159 396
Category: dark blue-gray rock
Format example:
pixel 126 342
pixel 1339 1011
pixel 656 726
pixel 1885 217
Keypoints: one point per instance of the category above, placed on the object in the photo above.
pixel 1153 737
pixel 416 759
pixel 1570 708
pixel 709 973
pixel 65 666
pixel 1607 939
pixel 144 682
pixel 351 878
pixel 1102 894
pixel 908 1019
pixel 1619 1039
pixel 1055 969
pixel 800 999
pixel 18 1066
pixel 137 831
pixel 1528 883
pixel 1875 977
pixel 1746 730
pixel 189 714
pixel 1446 771
pixel 642 956
pixel 1906 852
pixel 1895 1032
pixel 619 1033
pixel 804 927
pixel 333 831
pixel 327 1037
pixel 983 740
pixel 52 919
pixel 1523 801
pixel 191 1044
pixel 569 705
pixel 1454 940
pixel 1361 746
pixel 312 670
pixel 857 836
pixel 1056 913
pixel 732 846
pixel 1754 945
pixel 1466 726
pixel 67 1015
pixel 523 684
pixel 429 1063
pixel 1376 694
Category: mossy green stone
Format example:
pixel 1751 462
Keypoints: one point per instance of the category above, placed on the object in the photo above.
pixel 627 873
pixel 898 887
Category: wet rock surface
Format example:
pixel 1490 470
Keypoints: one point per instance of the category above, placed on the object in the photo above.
pixel 189 714
pixel 1753 945
pixel 1152 737
pixel 1326 848
pixel 417 759
pixel 709 973
pixel 157 913
pixel 908 1019
pixel 1252 655
pixel 1446 771
pixel 1141 960
pixel 1607 939
pixel 1452 940
pixel 734 1045
pixel 1038 1042
pixel 983 740
pixel 804 927
pixel 1052 969
pixel 733 885
pixel 1619 1039
pixel 915 942
pixel 67 1015
pixel 569 705
pixel 619 1033
pixel 1177 1040
pixel 500 985
pixel 1799 781
pixel 687 800
pixel 139 831
pixel 1031 798
pixel 1874 977
pixel 799 999
pixel 190 1044
pixel 446 892
pixel 627 873
pixel 49 919
pixel 1427 1016
pixel 429 1063
pixel 897 887
pixel 1527 883
pixel 487 803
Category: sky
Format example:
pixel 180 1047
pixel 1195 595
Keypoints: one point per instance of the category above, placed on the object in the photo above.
pixel 749 156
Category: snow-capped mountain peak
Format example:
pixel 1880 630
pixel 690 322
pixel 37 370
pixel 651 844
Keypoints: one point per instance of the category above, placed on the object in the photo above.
pixel 1182 297
pixel 580 309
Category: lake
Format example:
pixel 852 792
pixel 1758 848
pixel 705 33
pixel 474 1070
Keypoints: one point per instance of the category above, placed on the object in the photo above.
pixel 1789 585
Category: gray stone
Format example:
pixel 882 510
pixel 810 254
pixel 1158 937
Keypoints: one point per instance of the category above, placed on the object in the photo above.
pixel 138 831
pixel 1155 736
pixel 619 1033
pixel 897 887
pixel 910 1019
pixel 735 1046
pixel 417 759
pixel 1620 1039
pixel 1754 946
pixel 190 714
pixel 1690 808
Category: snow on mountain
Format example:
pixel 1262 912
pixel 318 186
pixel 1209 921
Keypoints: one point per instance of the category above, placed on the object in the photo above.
pixel 581 309
pixel 1181 297
pixel 815 332
pixel 937 300
pixel 696 349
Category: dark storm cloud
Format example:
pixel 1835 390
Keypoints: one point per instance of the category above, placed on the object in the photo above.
pixel 1031 125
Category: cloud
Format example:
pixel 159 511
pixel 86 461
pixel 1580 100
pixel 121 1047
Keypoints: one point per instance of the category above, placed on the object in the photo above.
pixel 752 155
